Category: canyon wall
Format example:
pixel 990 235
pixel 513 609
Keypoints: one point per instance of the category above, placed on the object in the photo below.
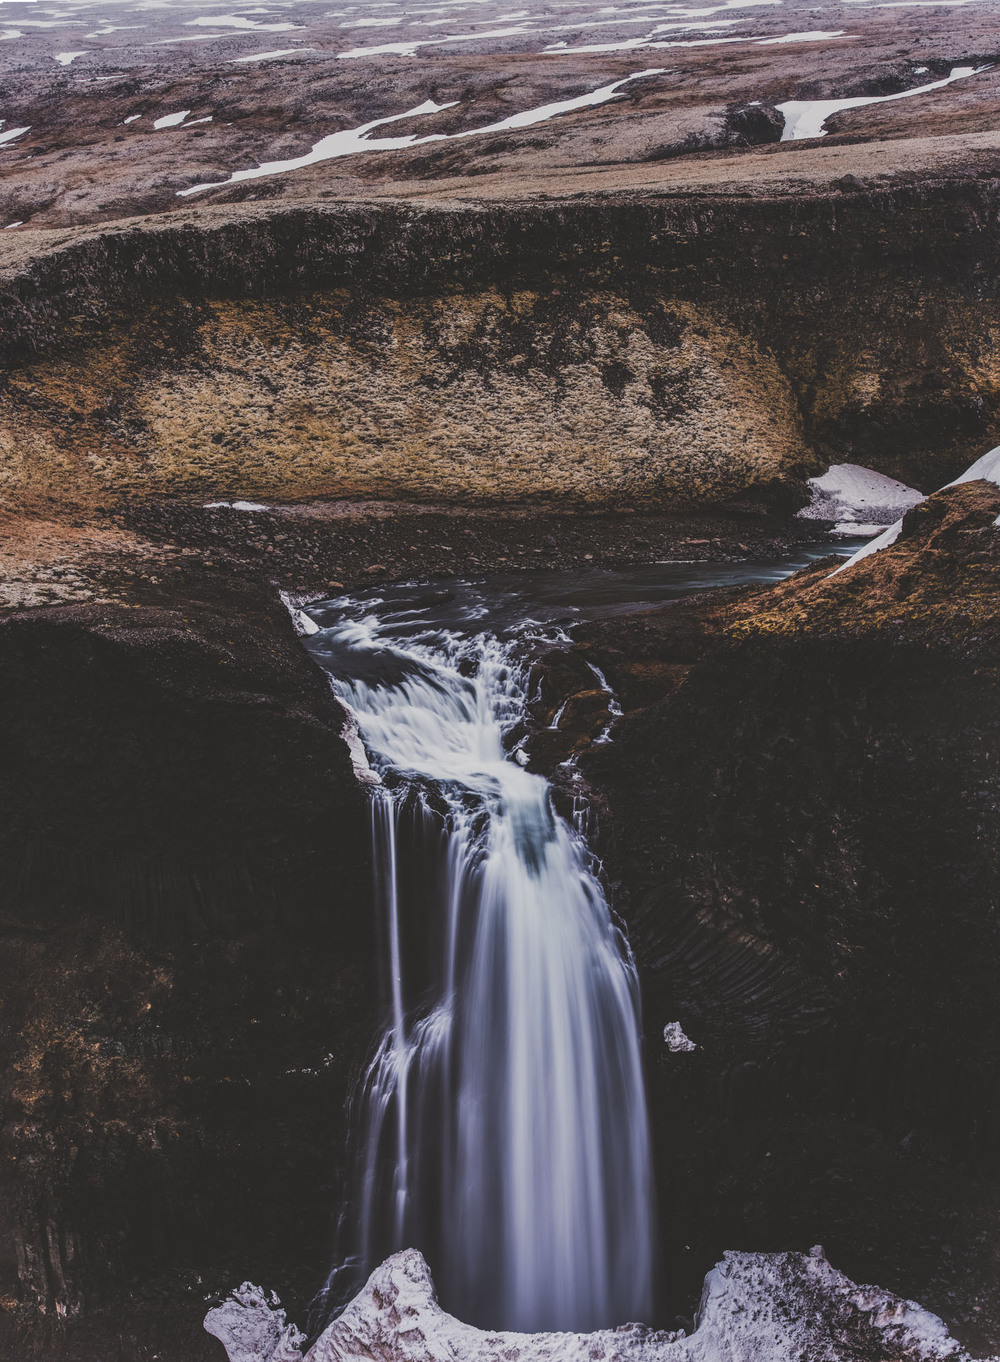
pixel 801 829
pixel 595 352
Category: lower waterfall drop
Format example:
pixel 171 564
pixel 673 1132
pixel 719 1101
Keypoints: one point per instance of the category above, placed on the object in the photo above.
pixel 503 1125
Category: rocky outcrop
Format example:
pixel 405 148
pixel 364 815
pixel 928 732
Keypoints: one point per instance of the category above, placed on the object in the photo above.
pixel 801 821
pixel 754 1308
pixel 450 353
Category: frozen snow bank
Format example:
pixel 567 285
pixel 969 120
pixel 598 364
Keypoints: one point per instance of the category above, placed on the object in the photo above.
pixel 350 733
pixel 252 1329
pixel 755 1307
pixel 986 468
pixel 171 120
pixel 858 499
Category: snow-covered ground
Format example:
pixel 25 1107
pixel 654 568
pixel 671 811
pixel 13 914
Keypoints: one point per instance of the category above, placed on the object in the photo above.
pixel 858 500
pixel 986 468
pixel 755 1307
pixel 351 141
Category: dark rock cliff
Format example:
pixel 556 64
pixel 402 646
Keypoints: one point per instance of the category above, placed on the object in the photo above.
pixel 187 972
pixel 802 827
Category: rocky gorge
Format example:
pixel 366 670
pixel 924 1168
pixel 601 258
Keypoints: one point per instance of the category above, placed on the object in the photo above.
pixel 213 415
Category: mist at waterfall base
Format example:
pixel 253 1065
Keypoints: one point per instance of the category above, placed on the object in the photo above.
pixel 501 1126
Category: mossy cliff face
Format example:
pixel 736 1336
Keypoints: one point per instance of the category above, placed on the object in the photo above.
pixel 466 397
pixel 636 350
pixel 803 822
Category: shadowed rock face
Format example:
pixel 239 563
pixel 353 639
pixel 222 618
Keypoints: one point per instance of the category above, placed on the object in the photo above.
pixel 186 971
pixel 802 826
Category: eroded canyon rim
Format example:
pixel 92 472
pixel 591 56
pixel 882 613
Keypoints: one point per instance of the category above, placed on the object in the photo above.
pixel 641 350
pixel 429 389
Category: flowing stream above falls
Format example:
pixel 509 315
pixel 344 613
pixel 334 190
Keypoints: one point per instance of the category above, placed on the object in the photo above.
pixel 501 1126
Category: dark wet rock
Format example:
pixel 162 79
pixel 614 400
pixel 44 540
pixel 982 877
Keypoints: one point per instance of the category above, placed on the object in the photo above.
pixel 186 973
pixel 800 827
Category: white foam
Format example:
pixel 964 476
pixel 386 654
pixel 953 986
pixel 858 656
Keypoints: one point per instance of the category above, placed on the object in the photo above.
pixel 354 141
pixel 806 117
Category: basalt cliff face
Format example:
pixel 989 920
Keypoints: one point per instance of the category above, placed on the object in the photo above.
pixel 801 825
pixel 187 977
pixel 641 350
pixel 187 974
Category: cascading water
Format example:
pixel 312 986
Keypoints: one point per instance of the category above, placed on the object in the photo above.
pixel 504 1128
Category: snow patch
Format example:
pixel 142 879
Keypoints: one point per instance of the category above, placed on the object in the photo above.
pixel 814 37
pixel 675 1039
pixel 66 58
pixel 986 468
pixel 351 735
pixel 233 505
pixel 293 604
pixel 858 499
pixel 252 1328
pixel 11 133
pixel 237 21
pixel 352 141
pixel 755 1307
pixel 363 772
pixel 281 52
pixel 806 117
pixel 171 120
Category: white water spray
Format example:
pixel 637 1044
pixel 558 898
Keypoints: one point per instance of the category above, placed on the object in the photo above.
pixel 504 1117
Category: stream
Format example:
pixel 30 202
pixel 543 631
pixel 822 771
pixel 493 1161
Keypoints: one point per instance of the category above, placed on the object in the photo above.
pixel 501 1125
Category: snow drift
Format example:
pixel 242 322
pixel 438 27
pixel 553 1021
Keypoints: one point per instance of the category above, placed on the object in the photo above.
pixel 986 468
pixel 857 499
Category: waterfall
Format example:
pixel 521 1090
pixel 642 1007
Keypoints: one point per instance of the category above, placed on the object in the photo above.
pixel 503 1126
